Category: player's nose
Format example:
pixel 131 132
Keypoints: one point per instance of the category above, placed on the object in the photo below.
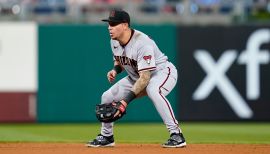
pixel 109 27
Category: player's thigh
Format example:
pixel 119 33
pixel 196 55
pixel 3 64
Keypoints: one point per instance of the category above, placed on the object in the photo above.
pixel 117 91
pixel 163 81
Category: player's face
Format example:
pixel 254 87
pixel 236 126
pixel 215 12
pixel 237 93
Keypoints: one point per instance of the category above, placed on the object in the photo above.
pixel 116 30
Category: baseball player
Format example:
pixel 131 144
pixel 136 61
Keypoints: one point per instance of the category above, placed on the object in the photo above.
pixel 149 74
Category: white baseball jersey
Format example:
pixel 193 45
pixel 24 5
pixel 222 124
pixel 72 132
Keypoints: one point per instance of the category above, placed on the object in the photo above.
pixel 140 53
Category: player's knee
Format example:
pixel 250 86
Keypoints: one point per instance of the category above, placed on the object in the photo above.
pixel 152 91
pixel 106 97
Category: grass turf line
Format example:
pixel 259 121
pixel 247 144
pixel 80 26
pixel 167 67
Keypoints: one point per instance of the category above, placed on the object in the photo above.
pixel 243 133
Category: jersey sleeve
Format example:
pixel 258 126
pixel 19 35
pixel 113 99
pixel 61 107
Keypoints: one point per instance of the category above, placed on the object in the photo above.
pixel 146 59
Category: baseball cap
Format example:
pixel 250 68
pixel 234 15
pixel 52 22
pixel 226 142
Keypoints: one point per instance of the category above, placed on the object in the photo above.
pixel 118 16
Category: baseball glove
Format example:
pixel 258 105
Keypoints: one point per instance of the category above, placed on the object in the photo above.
pixel 110 112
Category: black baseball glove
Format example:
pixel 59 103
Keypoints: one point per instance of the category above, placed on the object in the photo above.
pixel 110 112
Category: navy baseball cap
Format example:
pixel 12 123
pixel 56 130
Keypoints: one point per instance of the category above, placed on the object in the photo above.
pixel 118 16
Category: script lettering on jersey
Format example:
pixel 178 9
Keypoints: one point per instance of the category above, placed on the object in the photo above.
pixel 126 61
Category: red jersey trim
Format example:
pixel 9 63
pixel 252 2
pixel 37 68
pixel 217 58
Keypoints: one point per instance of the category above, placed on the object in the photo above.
pixel 149 68
pixel 167 103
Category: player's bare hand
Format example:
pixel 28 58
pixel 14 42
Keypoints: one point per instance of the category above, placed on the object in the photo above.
pixel 121 106
pixel 111 75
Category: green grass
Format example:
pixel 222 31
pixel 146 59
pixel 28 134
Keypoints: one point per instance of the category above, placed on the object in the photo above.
pixel 244 133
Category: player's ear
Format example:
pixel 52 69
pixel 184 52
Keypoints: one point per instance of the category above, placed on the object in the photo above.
pixel 126 25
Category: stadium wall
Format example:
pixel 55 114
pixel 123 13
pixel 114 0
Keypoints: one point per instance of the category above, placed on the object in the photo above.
pixel 57 73
pixel 224 73
pixel 18 71
pixel 73 63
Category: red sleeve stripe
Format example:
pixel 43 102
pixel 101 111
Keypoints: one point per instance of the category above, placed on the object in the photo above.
pixel 149 68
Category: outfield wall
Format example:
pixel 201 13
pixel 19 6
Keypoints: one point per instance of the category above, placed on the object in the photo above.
pixel 73 64
pixel 225 73
pixel 18 71
pixel 57 73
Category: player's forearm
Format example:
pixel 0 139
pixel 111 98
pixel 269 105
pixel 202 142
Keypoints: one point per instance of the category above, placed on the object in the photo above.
pixel 142 82
pixel 138 87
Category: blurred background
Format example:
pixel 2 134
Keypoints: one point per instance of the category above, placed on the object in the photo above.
pixel 203 12
pixel 54 56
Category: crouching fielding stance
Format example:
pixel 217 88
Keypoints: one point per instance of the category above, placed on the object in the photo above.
pixel 149 74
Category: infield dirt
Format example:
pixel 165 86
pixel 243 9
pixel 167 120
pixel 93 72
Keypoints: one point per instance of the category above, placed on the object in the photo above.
pixel 78 148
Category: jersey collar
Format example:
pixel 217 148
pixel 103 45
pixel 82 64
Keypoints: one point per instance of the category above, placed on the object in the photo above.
pixel 132 32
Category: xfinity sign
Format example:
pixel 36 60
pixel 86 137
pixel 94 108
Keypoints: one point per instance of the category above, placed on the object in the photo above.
pixel 252 57
pixel 217 76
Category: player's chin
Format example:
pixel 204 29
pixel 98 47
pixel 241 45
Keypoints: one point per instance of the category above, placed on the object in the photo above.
pixel 114 38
